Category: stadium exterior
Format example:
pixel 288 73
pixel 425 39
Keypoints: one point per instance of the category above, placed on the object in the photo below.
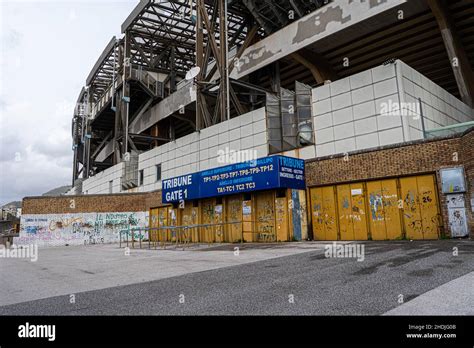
pixel 245 120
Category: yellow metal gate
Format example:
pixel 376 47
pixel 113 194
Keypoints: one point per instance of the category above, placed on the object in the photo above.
pixel 208 217
pixel 282 219
pixel 352 217
pixel 324 218
pixel 159 218
pixel 265 216
pixel 420 207
pixel 247 220
pixel 384 210
pixel 381 210
pixel 234 214
pixel 189 217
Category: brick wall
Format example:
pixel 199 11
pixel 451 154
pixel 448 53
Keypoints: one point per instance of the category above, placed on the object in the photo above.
pixel 399 160
pixel 127 202
pixel 467 147
pixel 386 162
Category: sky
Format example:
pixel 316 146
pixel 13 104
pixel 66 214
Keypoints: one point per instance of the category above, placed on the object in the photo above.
pixel 47 49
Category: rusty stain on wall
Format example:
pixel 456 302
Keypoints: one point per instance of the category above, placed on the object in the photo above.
pixel 317 23
pixel 254 57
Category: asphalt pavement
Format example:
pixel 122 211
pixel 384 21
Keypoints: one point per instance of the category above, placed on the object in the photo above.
pixel 392 274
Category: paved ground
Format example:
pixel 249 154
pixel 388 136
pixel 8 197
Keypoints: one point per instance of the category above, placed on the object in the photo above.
pixel 453 298
pixel 69 270
pixel 260 280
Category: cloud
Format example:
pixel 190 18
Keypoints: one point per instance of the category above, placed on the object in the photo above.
pixel 35 156
pixel 9 147
pixel 33 174
pixel 54 146
pixel 47 50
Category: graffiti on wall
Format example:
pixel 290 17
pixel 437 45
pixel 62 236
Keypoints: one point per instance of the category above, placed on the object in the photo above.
pixel 379 200
pixel 457 215
pixel 77 228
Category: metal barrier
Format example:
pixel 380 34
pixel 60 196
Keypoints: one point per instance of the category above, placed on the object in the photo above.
pixel 177 236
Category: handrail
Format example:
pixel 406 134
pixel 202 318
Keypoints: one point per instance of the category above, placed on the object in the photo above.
pixel 104 98
pixel 140 75
pixel 146 79
pixel 179 234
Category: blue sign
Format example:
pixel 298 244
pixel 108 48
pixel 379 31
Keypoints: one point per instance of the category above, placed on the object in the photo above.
pixel 261 174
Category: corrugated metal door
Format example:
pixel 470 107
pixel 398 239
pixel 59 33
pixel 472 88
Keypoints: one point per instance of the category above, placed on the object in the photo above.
pixel 411 208
pixel 384 211
pixel 207 217
pixel 352 216
pixel 346 229
pixel 303 214
pixel 391 206
pixel 189 218
pixel 420 207
pixel 173 221
pixel 218 220
pixel 265 216
pixel 281 215
pixel 323 205
pixel 429 206
pixel 234 214
pixel 163 235
pixel 359 216
pixel 342 209
pixel 247 218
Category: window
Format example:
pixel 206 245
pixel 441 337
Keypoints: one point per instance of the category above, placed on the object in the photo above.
pixel 452 180
pixel 111 182
pixel 140 181
pixel 158 172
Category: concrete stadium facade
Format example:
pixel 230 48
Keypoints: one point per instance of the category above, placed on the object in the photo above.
pixel 398 144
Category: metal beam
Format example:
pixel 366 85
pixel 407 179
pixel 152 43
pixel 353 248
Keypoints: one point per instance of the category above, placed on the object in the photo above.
pixel 457 55
pixel 317 64
pixel 107 50
pixel 323 22
pixel 200 64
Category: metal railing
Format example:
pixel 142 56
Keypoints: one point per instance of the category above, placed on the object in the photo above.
pixel 105 97
pixel 143 76
pixel 183 236
pixel 448 130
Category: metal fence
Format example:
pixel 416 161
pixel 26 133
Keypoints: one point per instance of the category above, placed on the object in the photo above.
pixel 183 236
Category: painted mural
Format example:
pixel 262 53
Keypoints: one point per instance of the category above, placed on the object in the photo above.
pixel 78 228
